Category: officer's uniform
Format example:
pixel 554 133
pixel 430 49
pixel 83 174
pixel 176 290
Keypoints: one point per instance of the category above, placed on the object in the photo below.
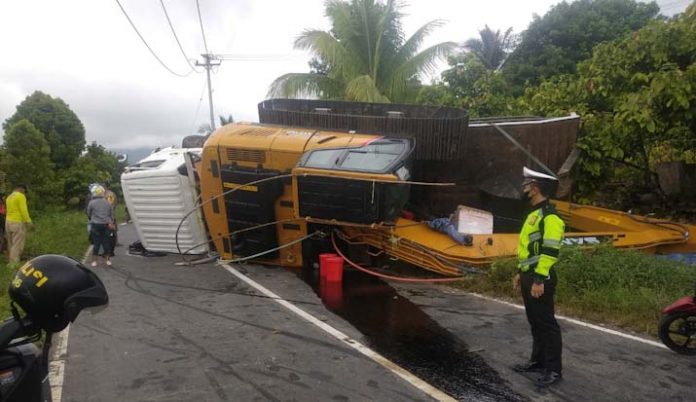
pixel 537 252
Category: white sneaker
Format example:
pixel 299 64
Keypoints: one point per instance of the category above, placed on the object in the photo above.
pixel 94 263
pixel 108 263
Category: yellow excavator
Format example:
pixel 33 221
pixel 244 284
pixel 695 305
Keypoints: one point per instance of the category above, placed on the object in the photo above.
pixel 282 193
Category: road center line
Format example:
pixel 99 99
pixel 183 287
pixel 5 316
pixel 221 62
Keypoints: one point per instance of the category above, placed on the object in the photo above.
pixel 346 340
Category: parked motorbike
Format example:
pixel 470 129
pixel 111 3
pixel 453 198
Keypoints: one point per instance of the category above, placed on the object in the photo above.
pixel 46 294
pixel 677 327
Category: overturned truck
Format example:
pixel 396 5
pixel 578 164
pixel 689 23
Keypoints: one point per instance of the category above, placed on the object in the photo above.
pixel 314 175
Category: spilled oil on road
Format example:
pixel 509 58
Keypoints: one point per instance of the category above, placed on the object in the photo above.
pixel 403 333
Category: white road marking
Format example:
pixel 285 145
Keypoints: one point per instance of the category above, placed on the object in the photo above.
pixel 576 322
pixel 56 367
pixel 346 340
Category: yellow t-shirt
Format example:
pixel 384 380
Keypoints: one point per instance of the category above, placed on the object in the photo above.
pixel 17 211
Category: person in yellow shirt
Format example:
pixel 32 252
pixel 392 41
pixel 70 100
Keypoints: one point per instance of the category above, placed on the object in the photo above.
pixel 16 222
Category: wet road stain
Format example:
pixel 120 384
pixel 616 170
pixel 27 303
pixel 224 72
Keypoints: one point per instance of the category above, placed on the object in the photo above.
pixel 402 332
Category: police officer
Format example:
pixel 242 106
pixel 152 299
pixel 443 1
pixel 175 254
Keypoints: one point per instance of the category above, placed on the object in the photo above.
pixel 537 252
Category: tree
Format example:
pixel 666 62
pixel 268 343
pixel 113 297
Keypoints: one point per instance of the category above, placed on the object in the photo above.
pixel 471 85
pixel 95 165
pixel 636 96
pixel 555 43
pixel 206 129
pixel 364 57
pixel 59 125
pixel 491 48
pixel 27 160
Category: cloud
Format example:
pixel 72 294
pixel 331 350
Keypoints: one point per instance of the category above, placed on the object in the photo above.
pixel 86 53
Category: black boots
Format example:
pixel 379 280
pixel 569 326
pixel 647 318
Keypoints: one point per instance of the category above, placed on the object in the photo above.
pixel 549 378
pixel 529 367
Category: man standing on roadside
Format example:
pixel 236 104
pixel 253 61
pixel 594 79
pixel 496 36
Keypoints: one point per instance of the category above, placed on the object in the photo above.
pixel 537 252
pixel 16 222
pixel 3 212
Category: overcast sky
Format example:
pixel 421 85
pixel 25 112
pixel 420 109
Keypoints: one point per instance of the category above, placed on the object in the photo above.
pixel 86 52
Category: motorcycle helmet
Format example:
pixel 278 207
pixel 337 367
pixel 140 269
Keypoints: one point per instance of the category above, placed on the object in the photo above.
pixel 53 289
pixel 97 190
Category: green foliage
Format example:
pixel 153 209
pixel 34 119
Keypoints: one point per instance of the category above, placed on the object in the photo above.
pixel 636 97
pixel 27 161
pixel 364 57
pixel 470 85
pixel 623 287
pixel 492 47
pixel 57 231
pixel 206 129
pixel 95 165
pixel 555 43
pixel 60 127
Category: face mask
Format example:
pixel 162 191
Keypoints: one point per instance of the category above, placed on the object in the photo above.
pixel 525 193
pixel 524 196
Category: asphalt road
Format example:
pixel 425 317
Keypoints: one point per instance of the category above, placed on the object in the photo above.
pixel 173 333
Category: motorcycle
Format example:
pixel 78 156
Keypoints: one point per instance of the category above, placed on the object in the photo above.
pixel 46 294
pixel 677 328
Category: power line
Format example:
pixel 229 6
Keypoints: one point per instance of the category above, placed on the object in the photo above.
pixel 198 108
pixel 166 14
pixel 200 21
pixel 148 46
pixel 261 57
pixel 208 65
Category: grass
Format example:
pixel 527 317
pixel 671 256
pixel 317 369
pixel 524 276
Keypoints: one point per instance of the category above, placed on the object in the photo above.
pixel 624 288
pixel 58 231
pixel 619 287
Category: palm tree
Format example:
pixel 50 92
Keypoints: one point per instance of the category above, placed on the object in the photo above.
pixel 492 48
pixel 207 129
pixel 364 57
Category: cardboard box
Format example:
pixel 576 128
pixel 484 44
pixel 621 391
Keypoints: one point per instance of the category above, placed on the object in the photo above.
pixel 473 221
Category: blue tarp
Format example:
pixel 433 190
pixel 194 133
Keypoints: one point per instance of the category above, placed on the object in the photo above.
pixel 444 225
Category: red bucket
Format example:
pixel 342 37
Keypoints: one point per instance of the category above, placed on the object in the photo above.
pixel 331 294
pixel 322 264
pixel 334 269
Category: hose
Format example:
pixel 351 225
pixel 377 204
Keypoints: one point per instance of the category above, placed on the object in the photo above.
pixel 390 277
pixel 251 257
pixel 200 205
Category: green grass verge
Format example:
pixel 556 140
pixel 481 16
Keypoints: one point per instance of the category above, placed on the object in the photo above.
pixel 57 232
pixel 620 287
pixel 606 285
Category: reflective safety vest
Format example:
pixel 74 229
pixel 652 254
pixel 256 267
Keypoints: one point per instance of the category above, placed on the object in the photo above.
pixel 540 240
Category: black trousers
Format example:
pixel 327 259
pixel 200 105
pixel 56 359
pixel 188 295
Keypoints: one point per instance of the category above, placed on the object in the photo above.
pixel 100 239
pixel 547 346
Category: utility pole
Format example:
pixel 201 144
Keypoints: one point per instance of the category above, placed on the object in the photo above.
pixel 211 61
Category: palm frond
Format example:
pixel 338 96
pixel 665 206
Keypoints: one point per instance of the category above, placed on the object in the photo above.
pixel 303 85
pixel 491 48
pixel 338 11
pixel 422 63
pixel 343 61
pixel 363 89
pixel 321 44
pixel 412 44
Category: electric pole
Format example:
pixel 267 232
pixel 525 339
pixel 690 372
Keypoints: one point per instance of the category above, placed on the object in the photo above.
pixel 211 61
